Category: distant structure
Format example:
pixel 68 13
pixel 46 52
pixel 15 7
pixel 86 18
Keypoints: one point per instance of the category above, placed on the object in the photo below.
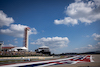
pixel 26 37
pixel 18 49
pixel 43 50
pixel 1 43
pixel 7 48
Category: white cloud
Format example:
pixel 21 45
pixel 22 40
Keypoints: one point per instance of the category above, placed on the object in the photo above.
pixel 17 30
pixel 32 31
pixel 54 42
pixel 66 21
pixel 76 48
pixel 87 12
pixel 97 2
pixel 8 45
pixel 89 45
pixel 87 36
pixel 77 0
pixel 97 46
pixel 89 48
pixel 15 40
pixel 99 43
pixel 96 37
pixel 43 31
pixel 4 20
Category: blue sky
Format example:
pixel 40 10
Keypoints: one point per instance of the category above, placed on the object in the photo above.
pixel 62 25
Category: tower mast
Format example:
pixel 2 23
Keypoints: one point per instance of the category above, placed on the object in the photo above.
pixel 26 37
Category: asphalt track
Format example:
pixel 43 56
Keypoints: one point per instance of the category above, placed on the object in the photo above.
pixel 76 61
pixel 95 63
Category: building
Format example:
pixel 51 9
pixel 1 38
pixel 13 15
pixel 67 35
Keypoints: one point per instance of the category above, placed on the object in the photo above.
pixel 6 48
pixel 18 49
pixel 1 43
pixel 43 50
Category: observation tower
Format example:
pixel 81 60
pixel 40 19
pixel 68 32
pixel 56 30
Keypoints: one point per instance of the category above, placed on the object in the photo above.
pixel 26 37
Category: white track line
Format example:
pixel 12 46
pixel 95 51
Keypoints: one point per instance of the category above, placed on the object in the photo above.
pixel 91 59
pixel 29 63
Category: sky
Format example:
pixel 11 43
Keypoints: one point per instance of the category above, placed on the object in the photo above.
pixel 62 25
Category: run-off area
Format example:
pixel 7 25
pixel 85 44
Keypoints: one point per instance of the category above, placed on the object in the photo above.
pixel 71 60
